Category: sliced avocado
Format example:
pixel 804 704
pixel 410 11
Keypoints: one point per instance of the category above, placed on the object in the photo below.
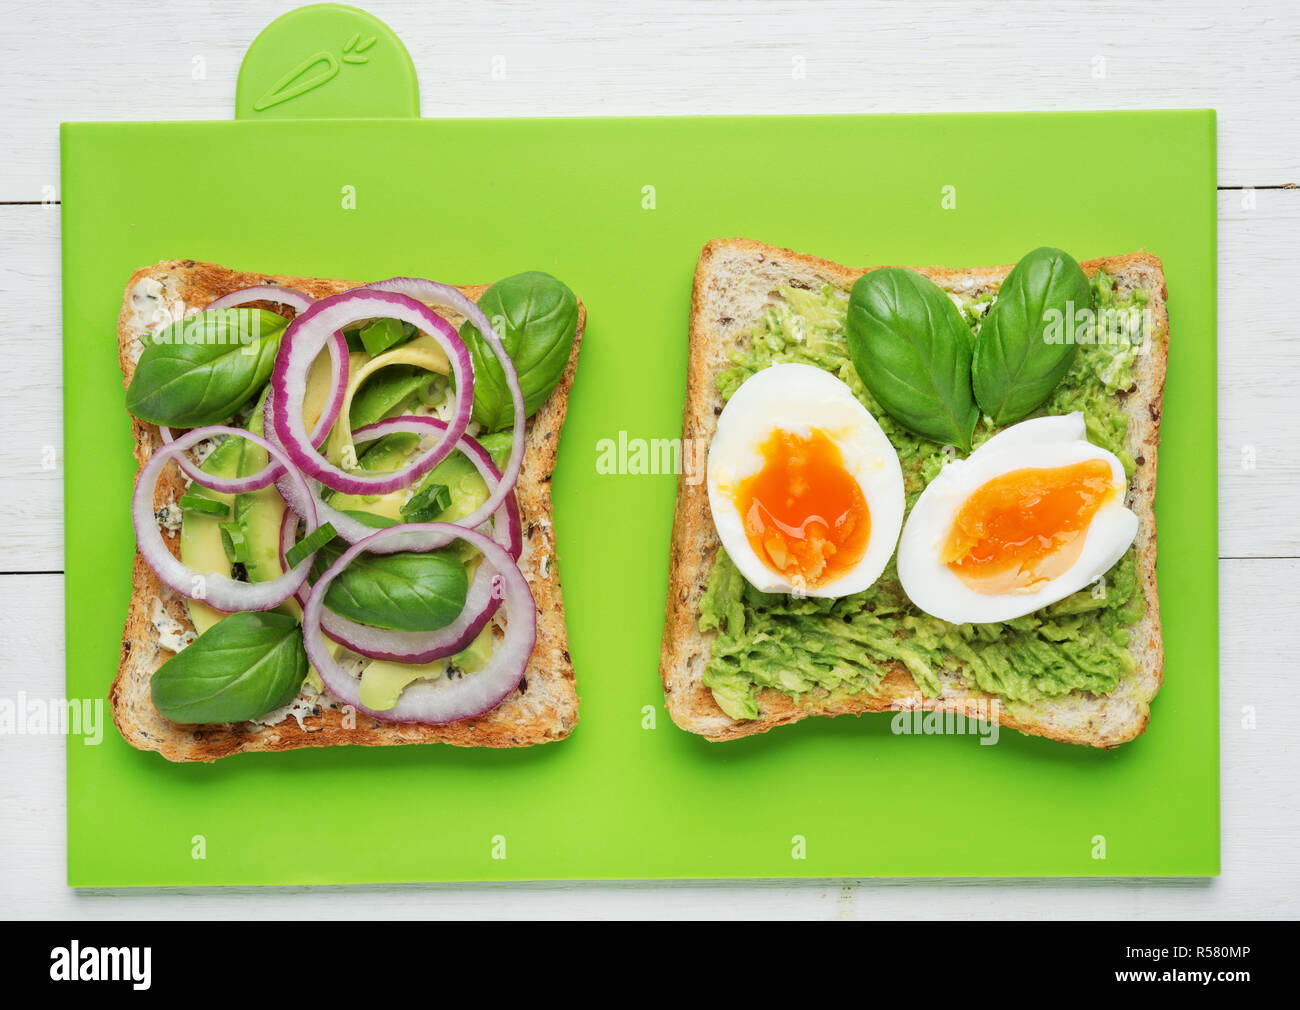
pixel 467 487
pixel 475 655
pixel 259 512
pixel 384 454
pixel 456 472
pixel 423 353
pixel 201 547
pixel 382 682
pixel 317 393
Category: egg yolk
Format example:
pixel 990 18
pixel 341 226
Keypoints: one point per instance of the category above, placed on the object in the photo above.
pixel 805 515
pixel 1025 527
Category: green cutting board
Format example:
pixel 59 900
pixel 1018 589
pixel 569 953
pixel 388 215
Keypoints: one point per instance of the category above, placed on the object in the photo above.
pixel 630 795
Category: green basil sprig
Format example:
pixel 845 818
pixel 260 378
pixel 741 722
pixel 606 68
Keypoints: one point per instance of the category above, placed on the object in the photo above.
pixel 536 317
pixel 402 592
pixel 201 369
pixel 1019 358
pixel 913 351
pixel 242 667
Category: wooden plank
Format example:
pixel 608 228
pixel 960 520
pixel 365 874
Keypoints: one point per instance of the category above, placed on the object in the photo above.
pixel 31 399
pixel 1259 363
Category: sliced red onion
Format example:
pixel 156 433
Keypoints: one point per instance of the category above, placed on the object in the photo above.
pixel 344 525
pixel 303 340
pixel 444 700
pixel 215 589
pixel 338 348
pixel 506 523
pixel 480 602
pixel 297 300
pixel 446 297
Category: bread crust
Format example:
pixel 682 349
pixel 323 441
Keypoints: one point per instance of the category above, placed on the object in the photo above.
pixel 735 280
pixel 542 709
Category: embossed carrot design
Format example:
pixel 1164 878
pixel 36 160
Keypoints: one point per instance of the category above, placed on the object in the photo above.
pixel 315 70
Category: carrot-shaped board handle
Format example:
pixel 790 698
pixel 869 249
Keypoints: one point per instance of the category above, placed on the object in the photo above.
pixel 327 61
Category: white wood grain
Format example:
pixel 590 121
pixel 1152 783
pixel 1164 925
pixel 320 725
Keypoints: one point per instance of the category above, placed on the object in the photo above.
pixel 1259 363
pixel 681 57
pixel 79 60
pixel 31 397
pixel 1261 866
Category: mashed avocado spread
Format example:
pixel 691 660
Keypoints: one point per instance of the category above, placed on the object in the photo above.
pixel 806 647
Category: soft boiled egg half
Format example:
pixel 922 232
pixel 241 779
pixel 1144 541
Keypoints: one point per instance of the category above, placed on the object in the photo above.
pixel 1034 514
pixel 805 489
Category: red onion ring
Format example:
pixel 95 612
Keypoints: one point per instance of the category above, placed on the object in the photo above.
pixel 506 517
pixel 298 301
pixel 213 588
pixel 480 602
pixel 303 340
pixel 288 537
pixel 444 700
pixel 447 297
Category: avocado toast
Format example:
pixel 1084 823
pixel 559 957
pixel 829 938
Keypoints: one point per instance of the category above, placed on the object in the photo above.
pixel 754 305
pixel 541 708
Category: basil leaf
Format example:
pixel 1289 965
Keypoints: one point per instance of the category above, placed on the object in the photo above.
pixel 1022 351
pixel 242 667
pixel 536 317
pixel 498 445
pixel 401 592
pixel 913 351
pixel 385 392
pixel 201 369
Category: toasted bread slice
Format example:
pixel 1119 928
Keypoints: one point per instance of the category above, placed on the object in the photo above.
pixel 543 708
pixel 736 280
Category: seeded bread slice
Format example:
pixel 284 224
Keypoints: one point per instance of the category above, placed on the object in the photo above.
pixel 543 708
pixel 736 280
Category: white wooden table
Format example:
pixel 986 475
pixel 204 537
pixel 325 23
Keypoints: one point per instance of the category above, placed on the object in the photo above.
pixel 93 61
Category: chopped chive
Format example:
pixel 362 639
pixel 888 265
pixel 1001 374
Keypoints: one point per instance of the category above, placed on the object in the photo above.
pixel 310 544
pixel 200 503
pixel 382 334
pixel 234 542
pixel 370 518
pixel 429 502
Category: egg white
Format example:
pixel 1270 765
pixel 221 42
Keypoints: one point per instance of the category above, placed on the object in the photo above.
pixel 1044 442
pixel 798 398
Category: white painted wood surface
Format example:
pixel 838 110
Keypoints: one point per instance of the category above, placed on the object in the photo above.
pixel 86 61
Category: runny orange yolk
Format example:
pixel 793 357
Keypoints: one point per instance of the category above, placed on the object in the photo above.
pixel 1025 527
pixel 805 515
